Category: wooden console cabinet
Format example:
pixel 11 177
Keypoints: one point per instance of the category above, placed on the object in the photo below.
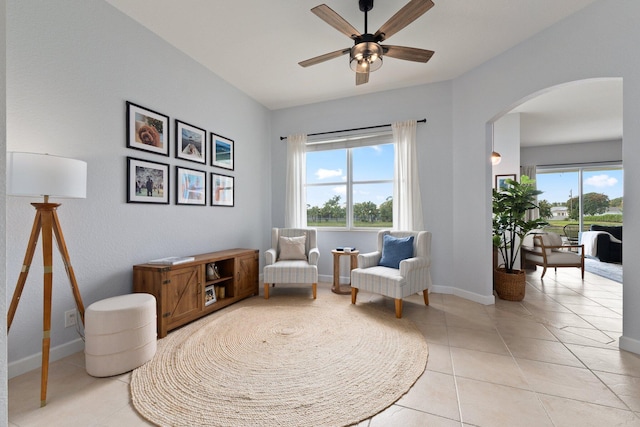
pixel 181 290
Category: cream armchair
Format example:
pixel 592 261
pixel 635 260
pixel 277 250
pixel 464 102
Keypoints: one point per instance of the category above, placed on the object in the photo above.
pixel 545 248
pixel 293 258
pixel 411 275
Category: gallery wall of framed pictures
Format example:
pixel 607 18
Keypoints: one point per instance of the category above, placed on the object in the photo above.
pixel 149 181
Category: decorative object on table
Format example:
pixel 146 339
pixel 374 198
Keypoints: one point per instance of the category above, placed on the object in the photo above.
pixel 295 363
pixel 147 182
pixel 399 268
pixel 172 260
pixel 501 181
pixel 292 258
pixel 191 142
pixel 222 190
pixel 210 295
pixel 510 204
pixel 35 175
pixel 221 291
pixel 191 187
pixel 147 130
pixel 212 271
pixel 222 151
pixel 210 275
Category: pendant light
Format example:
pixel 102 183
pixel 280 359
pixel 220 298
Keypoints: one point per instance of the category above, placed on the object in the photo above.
pixel 496 158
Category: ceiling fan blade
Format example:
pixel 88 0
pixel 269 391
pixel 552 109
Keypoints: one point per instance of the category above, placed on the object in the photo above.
pixel 329 16
pixel 405 16
pixel 408 53
pixel 362 78
pixel 325 57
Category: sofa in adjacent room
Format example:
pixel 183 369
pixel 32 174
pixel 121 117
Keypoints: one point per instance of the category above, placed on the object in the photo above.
pixel 603 242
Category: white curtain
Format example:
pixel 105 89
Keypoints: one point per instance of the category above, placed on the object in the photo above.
pixel 530 171
pixel 407 202
pixel 295 215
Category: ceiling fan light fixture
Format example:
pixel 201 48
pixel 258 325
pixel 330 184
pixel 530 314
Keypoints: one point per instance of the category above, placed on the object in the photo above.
pixel 366 57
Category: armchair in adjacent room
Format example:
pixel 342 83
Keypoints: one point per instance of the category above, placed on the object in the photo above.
pixel 292 258
pixel 399 268
pixel 545 248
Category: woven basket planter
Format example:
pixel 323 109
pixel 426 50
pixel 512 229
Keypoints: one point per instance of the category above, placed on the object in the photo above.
pixel 510 286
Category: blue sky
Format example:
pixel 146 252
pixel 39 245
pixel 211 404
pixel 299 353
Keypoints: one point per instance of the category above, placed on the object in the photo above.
pixel 558 186
pixel 376 162
pixel 330 167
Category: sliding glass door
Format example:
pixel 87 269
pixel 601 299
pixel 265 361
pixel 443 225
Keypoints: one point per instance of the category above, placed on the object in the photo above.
pixel 581 195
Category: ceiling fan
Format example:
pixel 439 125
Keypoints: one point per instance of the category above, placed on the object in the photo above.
pixel 366 54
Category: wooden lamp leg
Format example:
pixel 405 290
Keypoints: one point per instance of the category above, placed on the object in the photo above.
pixel 26 264
pixel 47 256
pixel 67 265
pixel 46 222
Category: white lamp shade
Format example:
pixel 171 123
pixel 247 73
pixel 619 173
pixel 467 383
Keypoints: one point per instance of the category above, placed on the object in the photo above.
pixel 33 174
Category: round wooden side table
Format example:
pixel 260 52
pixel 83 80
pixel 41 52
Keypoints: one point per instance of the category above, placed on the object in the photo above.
pixel 336 269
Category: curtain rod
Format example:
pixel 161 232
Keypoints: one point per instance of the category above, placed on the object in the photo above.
pixel 282 138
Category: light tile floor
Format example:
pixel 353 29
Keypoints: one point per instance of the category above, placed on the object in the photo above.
pixel 550 360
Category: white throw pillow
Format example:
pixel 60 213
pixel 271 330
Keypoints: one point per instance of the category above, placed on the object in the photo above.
pixel 293 247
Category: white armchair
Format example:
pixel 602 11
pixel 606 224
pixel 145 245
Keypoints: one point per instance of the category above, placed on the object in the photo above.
pixel 545 248
pixel 293 258
pixel 411 275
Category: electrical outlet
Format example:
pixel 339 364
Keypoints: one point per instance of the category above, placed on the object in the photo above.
pixel 70 318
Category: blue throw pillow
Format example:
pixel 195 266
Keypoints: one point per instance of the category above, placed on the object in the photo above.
pixel 395 249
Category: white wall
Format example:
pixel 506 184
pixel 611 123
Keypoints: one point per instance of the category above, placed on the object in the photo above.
pixel 433 141
pixel 563 53
pixel 70 68
pixel 4 397
pixel 506 134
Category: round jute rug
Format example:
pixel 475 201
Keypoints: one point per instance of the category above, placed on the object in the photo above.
pixel 281 365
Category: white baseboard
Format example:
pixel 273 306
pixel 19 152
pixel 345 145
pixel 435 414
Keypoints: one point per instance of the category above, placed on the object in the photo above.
pixel 471 296
pixel 34 361
pixel 629 344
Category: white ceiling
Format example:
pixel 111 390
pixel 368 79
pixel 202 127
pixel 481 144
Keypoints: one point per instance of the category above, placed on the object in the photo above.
pixel 256 45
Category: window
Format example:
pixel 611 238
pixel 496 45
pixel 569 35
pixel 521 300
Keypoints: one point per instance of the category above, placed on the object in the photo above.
pixel 584 195
pixel 349 183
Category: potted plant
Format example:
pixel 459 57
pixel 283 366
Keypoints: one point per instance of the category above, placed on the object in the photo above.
pixel 510 205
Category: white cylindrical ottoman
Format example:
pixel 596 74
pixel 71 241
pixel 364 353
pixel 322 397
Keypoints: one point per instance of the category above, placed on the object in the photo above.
pixel 120 334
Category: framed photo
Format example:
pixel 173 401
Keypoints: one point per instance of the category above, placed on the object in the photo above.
pixel 221 152
pixel 147 130
pixel 147 182
pixel 190 187
pixel 222 188
pixel 209 295
pixel 191 142
pixel 500 181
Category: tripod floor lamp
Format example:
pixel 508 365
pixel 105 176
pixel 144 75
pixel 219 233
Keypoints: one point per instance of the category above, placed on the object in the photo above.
pixel 35 175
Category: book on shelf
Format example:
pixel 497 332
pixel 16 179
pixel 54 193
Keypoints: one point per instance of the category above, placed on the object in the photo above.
pixel 172 260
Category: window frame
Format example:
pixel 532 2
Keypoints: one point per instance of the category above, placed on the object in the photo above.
pixel 580 169
pixel 349 143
